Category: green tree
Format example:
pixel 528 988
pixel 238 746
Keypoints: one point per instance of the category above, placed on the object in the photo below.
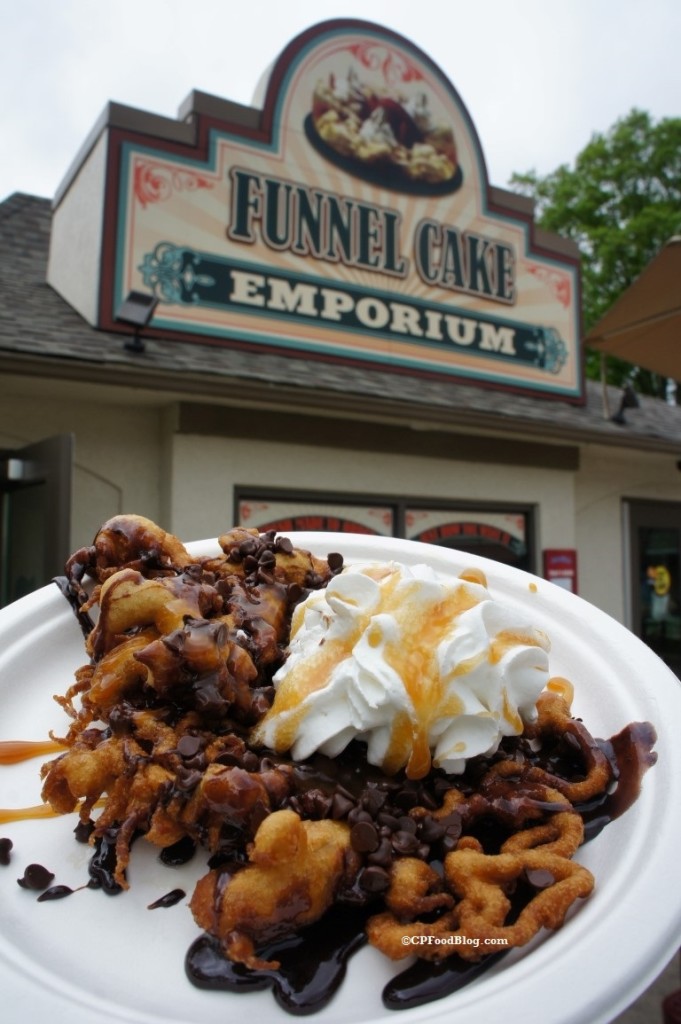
pixel 620 203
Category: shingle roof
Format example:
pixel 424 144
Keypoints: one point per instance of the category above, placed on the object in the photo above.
pixel 38 328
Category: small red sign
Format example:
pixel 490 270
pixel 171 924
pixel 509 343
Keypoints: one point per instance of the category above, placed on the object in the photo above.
pixel 560 567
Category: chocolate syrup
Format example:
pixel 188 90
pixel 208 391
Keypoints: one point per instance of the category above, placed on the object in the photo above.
pixel 428 980
pixel 631 754
pixel 168 900
pixel 179 853
pixel 56 892
pixel 312 963
pixel 69 592
pixel 102 864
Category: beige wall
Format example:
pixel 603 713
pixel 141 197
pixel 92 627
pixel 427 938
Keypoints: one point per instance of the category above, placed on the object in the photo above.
pixel 128 458
pixel 76 236
pixel 210 468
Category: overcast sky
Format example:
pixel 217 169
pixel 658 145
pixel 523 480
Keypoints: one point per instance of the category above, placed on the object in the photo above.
pixel 538 77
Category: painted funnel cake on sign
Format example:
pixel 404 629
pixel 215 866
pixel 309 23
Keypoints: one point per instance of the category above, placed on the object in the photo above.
pixel 367 753
pixel 381 122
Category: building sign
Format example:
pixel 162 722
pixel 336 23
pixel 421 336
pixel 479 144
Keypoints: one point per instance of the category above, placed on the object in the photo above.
pixel 355 224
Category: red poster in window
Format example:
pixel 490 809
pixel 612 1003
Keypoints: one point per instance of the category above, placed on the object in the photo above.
pixel 560 567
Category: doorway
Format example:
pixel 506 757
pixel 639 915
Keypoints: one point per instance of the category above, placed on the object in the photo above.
pixel 654 532
pixel 35 515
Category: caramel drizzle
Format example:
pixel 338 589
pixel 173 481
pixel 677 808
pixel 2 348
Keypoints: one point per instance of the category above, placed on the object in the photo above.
pixel 8 814
pixel 14 751
pixel 413 658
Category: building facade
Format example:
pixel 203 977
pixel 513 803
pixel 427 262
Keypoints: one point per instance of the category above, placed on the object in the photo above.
pixel 341 325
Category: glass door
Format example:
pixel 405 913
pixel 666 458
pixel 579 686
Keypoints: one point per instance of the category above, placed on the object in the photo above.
pixel 655 564
pixel 35 515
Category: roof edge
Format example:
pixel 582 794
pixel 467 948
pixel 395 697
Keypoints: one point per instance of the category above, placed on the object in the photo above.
pixel 324 401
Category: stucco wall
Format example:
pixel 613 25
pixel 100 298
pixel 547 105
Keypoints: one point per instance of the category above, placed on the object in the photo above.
pixel 76 237
pixel 206 470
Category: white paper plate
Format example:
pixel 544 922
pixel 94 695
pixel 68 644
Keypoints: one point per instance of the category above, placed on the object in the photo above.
pixel 91 957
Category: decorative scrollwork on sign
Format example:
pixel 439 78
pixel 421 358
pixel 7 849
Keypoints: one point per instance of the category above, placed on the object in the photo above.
pixel 170 273
pixel 549 348
pixel 555 351
pixel 553 279
pixel 154 182
pixel 393 65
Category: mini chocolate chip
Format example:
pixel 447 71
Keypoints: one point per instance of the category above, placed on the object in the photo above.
pixel 406 799
pixel 452 824
pixel 229 758
pixel 284 544
pixel 388 821
pixel 5 847
pixel 374 879
pixel 314 803
pixel 189 746
pixel 364 837
pixel 197 763
pixel 250 761
pixel 359 814
pixel 407 824
pixel 36 877
pixel 335 561
pixel 372 800
pixel 340 806
pixel 383 855
pixel 187 780
pixel 248 547
pixel 431 830
pixel 267 557
pixel 427 800
pixel 405 842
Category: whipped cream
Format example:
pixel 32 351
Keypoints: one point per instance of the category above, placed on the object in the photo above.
pixel 425 670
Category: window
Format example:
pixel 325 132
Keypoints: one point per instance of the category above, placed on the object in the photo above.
pixel 503 533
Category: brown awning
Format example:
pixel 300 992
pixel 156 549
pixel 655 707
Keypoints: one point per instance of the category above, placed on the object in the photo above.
pixel 643 327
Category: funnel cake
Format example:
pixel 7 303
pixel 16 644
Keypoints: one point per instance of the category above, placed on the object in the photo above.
pixel 167 742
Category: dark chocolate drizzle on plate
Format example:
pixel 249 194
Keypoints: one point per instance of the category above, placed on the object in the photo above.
pixel 312 962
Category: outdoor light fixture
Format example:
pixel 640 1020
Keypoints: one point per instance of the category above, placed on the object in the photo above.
pixel 137 310
pixel 629 400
